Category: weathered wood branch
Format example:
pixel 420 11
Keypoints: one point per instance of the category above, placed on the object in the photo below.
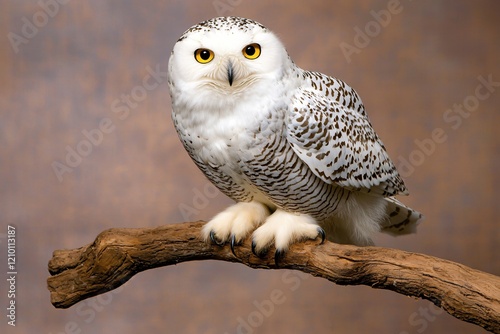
pixel 118 254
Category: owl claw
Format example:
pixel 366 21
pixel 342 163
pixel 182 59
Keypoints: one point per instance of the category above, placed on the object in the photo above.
pixel 322 233
pixel 280 253
pixel 278 256
pixel 215 240
pixel 233 244
pixel 260 254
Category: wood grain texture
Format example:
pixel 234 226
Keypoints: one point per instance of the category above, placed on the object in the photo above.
pixel 118 254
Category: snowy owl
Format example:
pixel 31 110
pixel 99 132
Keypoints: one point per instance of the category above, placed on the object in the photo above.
pixel 295 149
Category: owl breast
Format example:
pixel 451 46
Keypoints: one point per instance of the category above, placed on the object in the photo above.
pixel 246 155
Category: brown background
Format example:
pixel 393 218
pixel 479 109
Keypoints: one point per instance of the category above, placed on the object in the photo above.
pixel 64 80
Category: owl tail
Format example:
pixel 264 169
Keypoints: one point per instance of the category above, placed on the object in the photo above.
pixel 401 219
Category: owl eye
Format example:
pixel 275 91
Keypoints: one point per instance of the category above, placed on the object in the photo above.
pixel 251 51
pixel 203 56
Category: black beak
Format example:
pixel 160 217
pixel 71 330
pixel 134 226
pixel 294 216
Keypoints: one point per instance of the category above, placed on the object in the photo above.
pixel 230 73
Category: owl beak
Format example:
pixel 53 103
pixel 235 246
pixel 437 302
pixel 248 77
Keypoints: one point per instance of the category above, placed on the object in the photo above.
pixel 230 74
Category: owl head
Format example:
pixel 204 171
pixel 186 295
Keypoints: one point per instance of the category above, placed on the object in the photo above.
pixel 225 58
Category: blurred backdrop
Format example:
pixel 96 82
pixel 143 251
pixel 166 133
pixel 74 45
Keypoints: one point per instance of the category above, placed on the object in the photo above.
pixel 87 143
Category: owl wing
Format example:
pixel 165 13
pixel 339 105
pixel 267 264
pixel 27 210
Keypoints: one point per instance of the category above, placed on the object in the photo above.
pixel 329 130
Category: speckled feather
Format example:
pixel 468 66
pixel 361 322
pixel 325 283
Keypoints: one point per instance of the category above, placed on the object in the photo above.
pixel 330 131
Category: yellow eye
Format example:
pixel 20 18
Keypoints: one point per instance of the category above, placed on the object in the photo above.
pixel 203 56
pixel 251 51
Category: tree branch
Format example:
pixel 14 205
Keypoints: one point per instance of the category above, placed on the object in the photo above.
pixel 118 254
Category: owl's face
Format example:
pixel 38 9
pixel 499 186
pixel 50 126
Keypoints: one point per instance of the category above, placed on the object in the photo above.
pixel 225 57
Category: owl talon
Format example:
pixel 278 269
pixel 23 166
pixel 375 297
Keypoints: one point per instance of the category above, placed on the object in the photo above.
pixel 278 256
pixel 260 254
pixel 215 240
pixel 253 248
pixel 234 243
pixel 322 233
